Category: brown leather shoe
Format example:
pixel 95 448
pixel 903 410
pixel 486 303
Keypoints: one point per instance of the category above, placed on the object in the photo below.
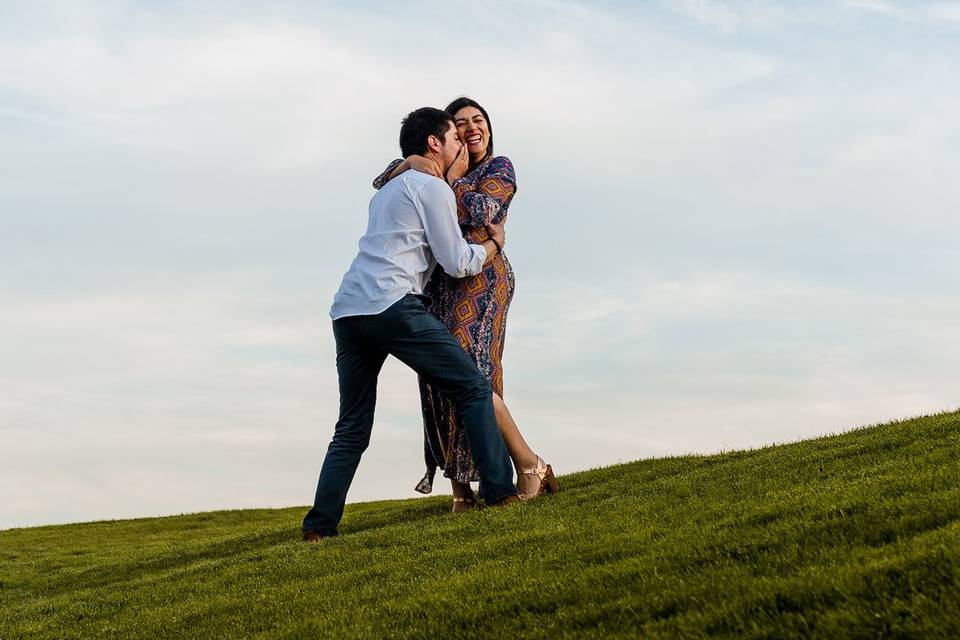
pixel 505 502
pixel 313 536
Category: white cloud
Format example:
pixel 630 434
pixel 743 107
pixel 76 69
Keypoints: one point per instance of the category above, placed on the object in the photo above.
pixel 264 91
pixel 930 12
pixel 177 400
pixel 118 395
pixel 721 362
pixel 880 6
pixel 730 17
pixel 723 237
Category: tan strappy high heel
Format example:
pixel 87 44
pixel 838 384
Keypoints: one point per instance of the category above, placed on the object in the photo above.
pixel 548 482
pixel 465 503
pixel 462 505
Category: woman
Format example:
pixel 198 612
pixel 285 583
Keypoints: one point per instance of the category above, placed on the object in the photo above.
pixel 474 309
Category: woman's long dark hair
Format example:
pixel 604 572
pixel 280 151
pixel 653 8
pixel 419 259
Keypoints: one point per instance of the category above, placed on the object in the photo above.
pixel 464 101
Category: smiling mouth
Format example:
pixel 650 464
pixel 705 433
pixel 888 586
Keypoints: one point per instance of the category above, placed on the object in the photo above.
pixel 474 140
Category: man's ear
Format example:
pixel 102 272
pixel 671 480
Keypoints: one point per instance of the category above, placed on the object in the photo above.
pixel 433 143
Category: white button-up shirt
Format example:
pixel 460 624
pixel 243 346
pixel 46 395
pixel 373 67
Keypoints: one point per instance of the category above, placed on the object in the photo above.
pixel 412 226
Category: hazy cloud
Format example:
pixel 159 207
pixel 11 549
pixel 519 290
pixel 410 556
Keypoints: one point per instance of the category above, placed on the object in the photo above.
pixel 735 225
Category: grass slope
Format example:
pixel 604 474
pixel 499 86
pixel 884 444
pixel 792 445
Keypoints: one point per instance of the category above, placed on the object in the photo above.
pixel 855 535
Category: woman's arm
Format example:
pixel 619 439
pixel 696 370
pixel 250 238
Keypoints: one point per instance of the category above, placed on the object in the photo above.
pixel 395 168
pixel 479 204
pixel 390 172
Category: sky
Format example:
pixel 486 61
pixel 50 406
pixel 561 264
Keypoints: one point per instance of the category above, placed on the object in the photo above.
pixel 735 225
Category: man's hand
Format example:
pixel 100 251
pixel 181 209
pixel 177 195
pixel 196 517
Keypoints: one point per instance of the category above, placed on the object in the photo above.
pixel 496 232
pixel 495 243
pixel 459 167
pixel 425 165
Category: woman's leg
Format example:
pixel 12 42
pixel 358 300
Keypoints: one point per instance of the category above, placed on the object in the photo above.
pixel 463 496
pixel 534 476
pixel 461 489
pixel 520 452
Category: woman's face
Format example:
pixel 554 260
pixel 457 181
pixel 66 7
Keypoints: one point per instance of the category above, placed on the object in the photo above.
pixel 473 130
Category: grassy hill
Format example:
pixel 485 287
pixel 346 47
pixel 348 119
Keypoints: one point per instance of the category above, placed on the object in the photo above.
pixel 854 535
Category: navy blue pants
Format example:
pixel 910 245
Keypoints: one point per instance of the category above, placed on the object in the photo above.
pixel 410 334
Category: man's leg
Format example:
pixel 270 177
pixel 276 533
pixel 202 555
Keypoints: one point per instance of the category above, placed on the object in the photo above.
pixel 421 342
pixel 358 366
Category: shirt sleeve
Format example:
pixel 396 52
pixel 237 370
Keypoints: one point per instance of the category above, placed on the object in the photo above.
pixel 384 177
pixel 439 215
pixel 480 201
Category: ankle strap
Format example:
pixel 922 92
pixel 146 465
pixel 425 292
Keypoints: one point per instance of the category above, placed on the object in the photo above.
pixel 540 469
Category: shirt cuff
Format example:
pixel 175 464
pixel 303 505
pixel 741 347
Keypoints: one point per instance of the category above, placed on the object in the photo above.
pixel 481 257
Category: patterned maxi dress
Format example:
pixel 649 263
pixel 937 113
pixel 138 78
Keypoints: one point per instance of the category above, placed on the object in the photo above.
pixel 474 309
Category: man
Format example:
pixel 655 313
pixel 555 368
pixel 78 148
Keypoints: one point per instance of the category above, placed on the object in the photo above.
pixel 378 312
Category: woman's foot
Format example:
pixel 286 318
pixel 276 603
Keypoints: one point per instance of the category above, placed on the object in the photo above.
pixel 462 505
pixel 536 481
pixel 463 498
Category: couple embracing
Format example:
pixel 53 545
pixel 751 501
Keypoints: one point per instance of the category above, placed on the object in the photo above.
pixel 430 286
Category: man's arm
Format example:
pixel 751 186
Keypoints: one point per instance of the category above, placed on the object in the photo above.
pixel 439 216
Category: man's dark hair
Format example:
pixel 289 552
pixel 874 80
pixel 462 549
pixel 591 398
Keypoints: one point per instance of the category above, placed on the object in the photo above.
pixel 464 101
pixel 420 125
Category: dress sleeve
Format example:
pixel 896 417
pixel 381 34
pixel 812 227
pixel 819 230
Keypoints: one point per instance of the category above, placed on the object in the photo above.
pixel 480 200
pixel 384 177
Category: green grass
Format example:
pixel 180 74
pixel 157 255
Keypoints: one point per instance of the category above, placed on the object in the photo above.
pixel 855 535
